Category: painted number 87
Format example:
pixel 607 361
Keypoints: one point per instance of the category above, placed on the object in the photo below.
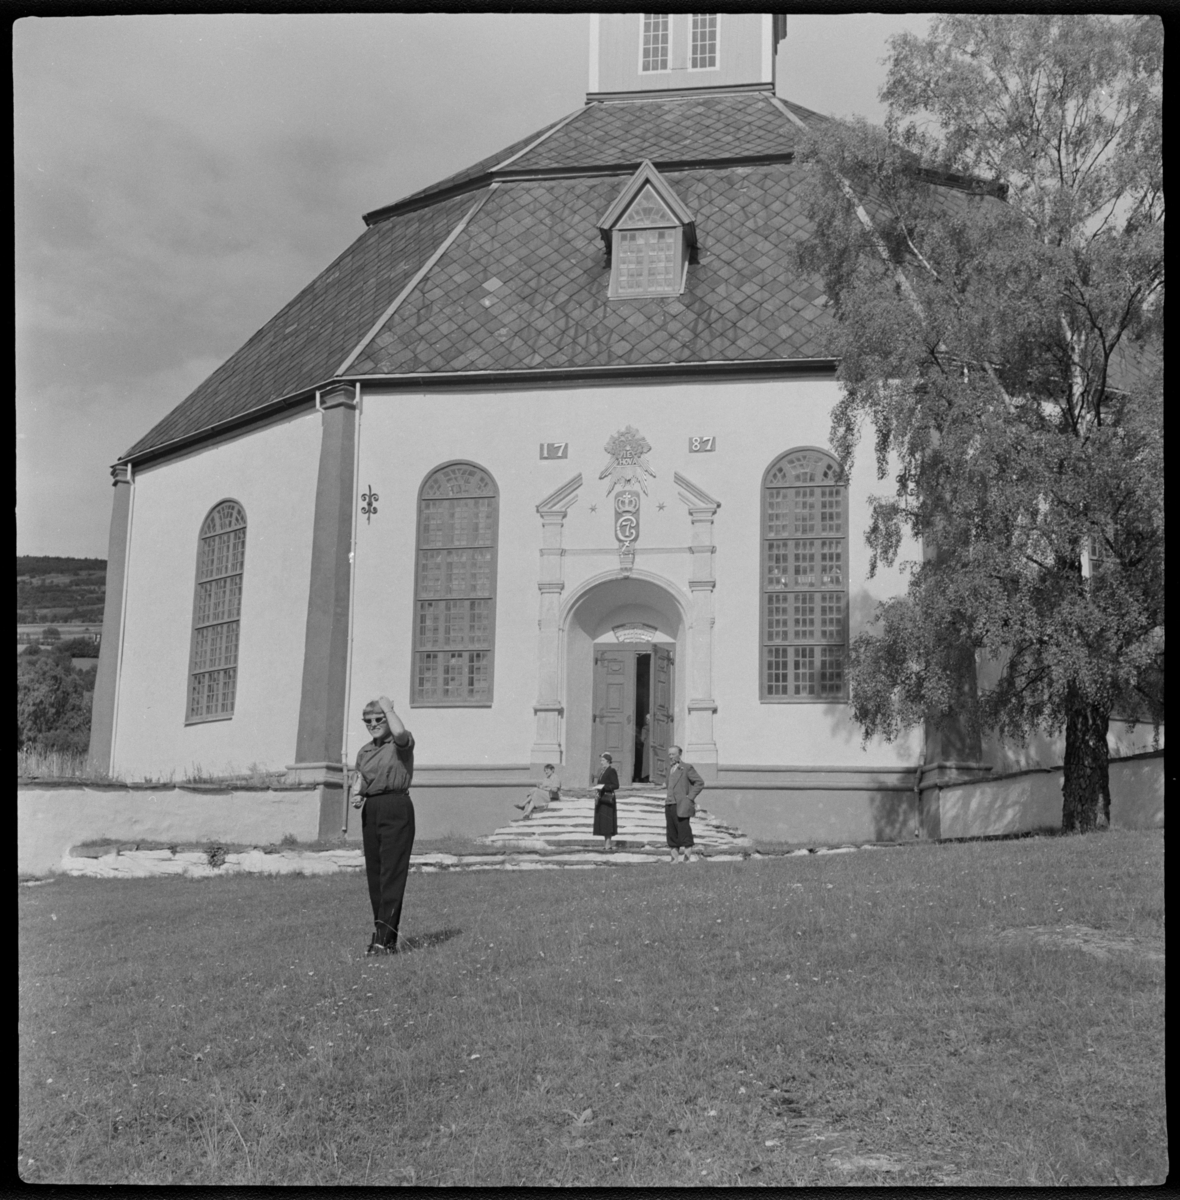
pixel 699 445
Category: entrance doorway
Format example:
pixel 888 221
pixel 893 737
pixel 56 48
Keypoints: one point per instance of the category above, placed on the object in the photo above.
pixel 632 713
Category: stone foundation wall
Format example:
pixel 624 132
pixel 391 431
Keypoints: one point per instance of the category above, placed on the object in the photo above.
pixel 1032 800
pixel 51 819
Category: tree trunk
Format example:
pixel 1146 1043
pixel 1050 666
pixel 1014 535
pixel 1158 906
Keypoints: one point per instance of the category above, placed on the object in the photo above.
pixel 1087 767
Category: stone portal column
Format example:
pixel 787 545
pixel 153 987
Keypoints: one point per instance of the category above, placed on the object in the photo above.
pixel 106 679
pixel 700 747
pixel 548 709
pixel 320 736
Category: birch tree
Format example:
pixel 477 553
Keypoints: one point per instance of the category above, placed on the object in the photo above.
pixel 994 261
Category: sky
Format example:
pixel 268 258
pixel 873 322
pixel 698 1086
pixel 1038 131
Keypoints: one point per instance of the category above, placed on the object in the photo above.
pixel 178 179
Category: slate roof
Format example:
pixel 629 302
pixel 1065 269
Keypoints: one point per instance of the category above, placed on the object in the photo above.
pixel 526 285
pixel 538 237
pixel 674 129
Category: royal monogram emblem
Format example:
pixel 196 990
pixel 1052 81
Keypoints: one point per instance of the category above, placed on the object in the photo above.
pixel 627 466
pixel 627 518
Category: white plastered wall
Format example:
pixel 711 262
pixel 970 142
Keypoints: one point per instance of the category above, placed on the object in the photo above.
pixel 272 473
pixel 405 435
pixel 1124 738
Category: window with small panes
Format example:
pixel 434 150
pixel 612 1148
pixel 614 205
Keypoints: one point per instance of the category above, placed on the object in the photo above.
pixel 804 583
pixel 653 50
pixel 703 42
pixel 455 588
pixel 648 250
pixel 217 614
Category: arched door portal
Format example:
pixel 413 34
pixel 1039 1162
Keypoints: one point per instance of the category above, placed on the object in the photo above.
pixel 622 639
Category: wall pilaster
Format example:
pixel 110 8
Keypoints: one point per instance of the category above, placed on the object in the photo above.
pixel 953 745
pixel 106 680
pixel 700 746
pixel 548 708
pixel 325 654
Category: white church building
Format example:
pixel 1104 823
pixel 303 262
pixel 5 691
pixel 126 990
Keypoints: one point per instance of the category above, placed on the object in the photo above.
pixel 544 457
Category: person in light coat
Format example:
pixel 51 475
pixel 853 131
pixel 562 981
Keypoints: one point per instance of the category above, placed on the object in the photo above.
pixel 684 786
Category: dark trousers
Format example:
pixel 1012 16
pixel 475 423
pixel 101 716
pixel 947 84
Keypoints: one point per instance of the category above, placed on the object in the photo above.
pixel 679 829
pixel 387 831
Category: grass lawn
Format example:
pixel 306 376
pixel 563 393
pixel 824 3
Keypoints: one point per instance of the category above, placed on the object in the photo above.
pixel 864 1018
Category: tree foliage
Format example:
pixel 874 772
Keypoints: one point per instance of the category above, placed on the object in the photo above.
pixel 995 261
pixel 79 647
pixel 52 706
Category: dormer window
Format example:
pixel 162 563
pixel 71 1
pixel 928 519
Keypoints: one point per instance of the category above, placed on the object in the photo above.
pixel 703 47
pixel 654 50
pixel 649 235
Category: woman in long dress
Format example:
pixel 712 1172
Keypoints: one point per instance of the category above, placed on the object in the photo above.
pixel 606 822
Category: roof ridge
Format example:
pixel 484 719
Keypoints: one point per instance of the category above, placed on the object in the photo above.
pixel 537 141
pixel 470 178
pixel 416 279
pixel 934 175
pixel 794 118
pixel 250 341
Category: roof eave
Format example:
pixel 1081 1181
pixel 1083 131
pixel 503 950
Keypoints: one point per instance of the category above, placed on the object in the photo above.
pixel 484 380
pixel 476 182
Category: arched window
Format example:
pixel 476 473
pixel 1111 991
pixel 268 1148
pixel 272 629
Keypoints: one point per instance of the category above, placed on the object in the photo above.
pixel 804 637
pixel 455 587
pixel 217 611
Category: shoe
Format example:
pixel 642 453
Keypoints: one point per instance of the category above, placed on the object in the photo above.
pixel 518 806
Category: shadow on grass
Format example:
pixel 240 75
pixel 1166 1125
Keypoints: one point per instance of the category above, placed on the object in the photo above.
pixel 427 941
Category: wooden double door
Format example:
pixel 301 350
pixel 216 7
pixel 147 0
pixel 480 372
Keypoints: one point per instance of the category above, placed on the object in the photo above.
pixel 633 711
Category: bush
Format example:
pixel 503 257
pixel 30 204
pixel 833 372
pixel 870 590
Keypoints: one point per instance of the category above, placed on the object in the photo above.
pixel 65 742
pixel 51 633
pixel 31 650
pixel 77 648
pixel 51 705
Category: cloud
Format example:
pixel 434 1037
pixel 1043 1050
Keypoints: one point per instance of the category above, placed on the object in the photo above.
pixel 69 436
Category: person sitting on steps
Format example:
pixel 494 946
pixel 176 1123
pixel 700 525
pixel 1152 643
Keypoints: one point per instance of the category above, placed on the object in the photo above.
pixel 540 797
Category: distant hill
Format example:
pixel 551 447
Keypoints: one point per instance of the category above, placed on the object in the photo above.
pixel 67 590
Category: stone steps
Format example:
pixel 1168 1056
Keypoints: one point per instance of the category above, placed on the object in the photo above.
pixel 641 821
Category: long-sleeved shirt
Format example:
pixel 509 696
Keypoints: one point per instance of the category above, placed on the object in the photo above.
pixel 387 766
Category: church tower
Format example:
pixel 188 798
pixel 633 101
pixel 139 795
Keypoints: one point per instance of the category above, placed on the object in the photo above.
pixel 634 54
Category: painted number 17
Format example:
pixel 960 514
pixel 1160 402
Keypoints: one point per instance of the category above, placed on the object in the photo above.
pixel 555 449
pixel 699 445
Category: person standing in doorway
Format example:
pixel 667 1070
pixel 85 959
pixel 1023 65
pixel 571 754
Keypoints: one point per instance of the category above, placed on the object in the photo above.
pixel 381 790
pixel 684 786
pixel 642 735
pixel 606 819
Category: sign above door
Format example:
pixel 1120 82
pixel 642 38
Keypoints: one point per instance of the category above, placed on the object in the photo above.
pixel 634 631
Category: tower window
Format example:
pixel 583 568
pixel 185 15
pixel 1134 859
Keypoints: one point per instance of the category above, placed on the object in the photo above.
pixel 455 588
pixel 804 611
pixel 703 49
pixel 217 611
pixel 654 50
